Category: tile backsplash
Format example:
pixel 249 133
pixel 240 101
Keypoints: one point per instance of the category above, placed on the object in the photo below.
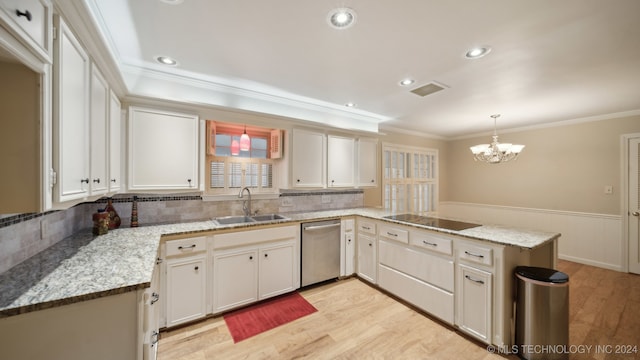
pixel 24 235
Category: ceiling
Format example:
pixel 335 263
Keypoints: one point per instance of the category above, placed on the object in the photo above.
pixel 550 60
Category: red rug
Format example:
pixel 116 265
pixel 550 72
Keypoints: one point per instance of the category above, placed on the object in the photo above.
pixel 267 315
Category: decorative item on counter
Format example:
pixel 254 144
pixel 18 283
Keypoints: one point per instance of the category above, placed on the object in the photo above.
pixel 100 222
pixel 114 218
pixel 134 212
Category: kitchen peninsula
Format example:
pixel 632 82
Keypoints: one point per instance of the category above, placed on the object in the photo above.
pixel 119 272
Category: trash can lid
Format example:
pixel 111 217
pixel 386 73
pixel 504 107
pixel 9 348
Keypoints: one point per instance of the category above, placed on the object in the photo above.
pixel 542 274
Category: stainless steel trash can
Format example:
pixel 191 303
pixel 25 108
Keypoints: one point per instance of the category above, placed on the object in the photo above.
pixel 542 313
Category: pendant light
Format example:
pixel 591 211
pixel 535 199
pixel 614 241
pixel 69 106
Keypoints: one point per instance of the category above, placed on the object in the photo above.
pixel 496 152
pixel 245 141
pixel 235 147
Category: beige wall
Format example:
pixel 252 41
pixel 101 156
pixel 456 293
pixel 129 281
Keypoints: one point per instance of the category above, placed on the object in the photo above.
pixel 561 168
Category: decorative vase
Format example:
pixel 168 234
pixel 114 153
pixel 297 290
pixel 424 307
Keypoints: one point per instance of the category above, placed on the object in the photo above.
pixel 114 218
pixel 134 212
pixel 100 222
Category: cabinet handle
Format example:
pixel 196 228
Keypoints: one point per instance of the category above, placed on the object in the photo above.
pixel 472 254
pixel 159 261
pixel 26 14
pixel 113 180
pixel 349 241
pixel 196 268
pixel 189 181
pixel 96 180
pixel 429 243
pixel 84 180
pixel 371 244
pixel 474 280
pixel 373 181
pixel 154 298
pixel 155 337
pixel 266 255
pixel 392 234
pixel 366 228
pixel 298 180
pixel 250 257
pixel 186 247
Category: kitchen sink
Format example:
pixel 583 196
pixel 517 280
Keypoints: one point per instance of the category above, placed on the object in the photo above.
pixel 230 220
pixel 268 217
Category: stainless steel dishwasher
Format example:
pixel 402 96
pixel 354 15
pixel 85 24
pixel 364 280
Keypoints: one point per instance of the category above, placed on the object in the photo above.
pixel 320 251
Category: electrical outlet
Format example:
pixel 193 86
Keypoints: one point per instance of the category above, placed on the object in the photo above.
pixel 44 229
pixel 286 201
pixel 326 199
pixel 608 189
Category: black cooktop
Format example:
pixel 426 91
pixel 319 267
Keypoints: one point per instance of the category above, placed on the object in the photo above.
pixel 433 222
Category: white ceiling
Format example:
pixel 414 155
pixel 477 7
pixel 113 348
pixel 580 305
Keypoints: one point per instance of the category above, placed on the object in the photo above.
pixel 550 61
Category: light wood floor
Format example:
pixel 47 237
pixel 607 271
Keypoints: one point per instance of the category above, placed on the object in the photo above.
pixel 356 321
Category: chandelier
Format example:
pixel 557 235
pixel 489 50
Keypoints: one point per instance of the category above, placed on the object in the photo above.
pixel 495 152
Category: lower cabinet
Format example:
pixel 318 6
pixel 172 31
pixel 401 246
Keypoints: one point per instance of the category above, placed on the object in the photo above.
pixel 367 251
pixel 474 302
pixel 186 289
pixel 150 316
pixel 253 265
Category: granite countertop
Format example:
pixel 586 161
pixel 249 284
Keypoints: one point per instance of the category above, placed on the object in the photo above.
pixel 84 266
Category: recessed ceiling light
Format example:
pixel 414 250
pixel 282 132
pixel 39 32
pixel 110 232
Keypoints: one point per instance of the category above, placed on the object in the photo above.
pixel 172 2
pixel 477 52
pixel 407 82
pixel 165 60
pixel 350 104
pixel 341 18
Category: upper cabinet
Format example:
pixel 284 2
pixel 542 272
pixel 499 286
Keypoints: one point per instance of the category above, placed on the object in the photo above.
pixel 367 162
pixel 340 161
pixel 100 103
pixel 308 159
pixel 115 143
pixel 163 150
pixel 333 161
pixel 29 20
pixel 71 116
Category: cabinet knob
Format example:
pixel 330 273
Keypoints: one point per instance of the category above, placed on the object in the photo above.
pixel 298 180
pixel 250 257
pixel 84 180
pixel 266 255
pixel 97 181
pixel 196 268
pixel 26 14
pixel 113 180
pixel 159 261
pixel 189 181
pixel 371 244
pixel 373 181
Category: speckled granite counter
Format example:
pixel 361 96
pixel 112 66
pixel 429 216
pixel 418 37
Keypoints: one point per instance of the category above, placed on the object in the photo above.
pixel 84 267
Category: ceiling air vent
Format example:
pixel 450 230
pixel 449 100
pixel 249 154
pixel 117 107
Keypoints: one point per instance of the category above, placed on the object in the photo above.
pixel 430 88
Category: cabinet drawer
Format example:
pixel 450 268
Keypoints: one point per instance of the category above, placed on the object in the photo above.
pixel 186 246
pixel 476 254
pixel 429 298
pixel 34 21
pixel 368 227
pixel 429 268
pixel 432 241
pixel 394 233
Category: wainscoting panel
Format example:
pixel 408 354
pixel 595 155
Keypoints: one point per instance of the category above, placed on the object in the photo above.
pixel 587 238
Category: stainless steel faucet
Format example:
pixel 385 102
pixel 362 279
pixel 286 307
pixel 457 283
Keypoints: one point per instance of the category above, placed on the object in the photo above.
pixel 246 205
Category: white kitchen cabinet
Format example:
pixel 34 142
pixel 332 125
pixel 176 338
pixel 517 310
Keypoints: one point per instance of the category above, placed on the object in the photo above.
pixel 99 125
pixel 30 20
pixel 367 166
pixel 367 251
pixel 252 265
pixel 163 150
pixel 71 116
pixel 348 246
pixel 340 161
pixel 474 315
pixel 115 143
pixel 186 289
pixel 275 267
pixel 235 276
pixel 308 159
pixel 150 316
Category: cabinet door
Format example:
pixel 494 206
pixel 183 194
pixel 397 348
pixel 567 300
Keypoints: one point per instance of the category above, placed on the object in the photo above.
pixel 235 279
pixel 474 302
pixel 71 116
pixel 367 257
pixel 367 162
pixel 276 270
pixel 99 132
pixel 309 159
pixel 150 312
pixel 163 150
pixel 340 161
pixel 115 144
pixel 186 284
pixel 349 254
pixel 35 30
